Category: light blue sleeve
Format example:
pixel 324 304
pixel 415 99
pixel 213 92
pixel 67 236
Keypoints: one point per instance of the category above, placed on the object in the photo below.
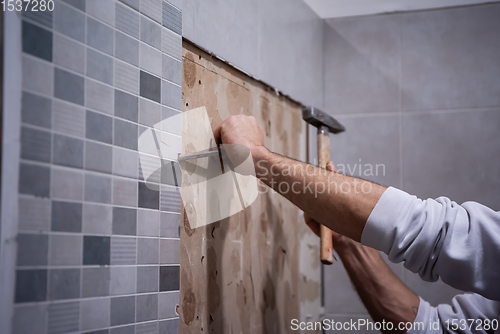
pixel 439 238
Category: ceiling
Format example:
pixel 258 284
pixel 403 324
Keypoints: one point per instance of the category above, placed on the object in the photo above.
pixel 344 8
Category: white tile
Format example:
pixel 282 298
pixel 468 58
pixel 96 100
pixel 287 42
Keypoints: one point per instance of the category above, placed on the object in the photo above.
pixel 103 10
pixel 126 77
pixel 149 112
pixel 38 76
pixel 68 118
pixel 99 96
pixel 69 54
pixel 150 59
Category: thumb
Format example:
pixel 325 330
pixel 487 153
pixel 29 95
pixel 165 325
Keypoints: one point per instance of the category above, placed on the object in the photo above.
pixel 331 166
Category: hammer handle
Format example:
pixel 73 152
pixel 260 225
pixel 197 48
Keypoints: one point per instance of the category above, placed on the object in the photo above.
pixel 326 243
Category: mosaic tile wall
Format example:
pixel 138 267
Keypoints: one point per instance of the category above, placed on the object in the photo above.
pixel 98 251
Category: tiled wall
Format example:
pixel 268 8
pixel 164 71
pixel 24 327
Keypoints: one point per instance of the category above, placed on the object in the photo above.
pixel 97 250
pixel 418 92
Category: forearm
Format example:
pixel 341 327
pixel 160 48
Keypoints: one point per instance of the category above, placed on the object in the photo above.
pixel 340 202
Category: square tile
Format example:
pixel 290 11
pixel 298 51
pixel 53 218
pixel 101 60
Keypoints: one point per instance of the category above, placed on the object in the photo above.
pixel 64 317
pixel 170 199
pixel 172 18
pixel 132 3
pixel 123 330
pixel 127 20
pixel 94 313
pixel 122 310
pixel 69 22
pixel 149 168
pixel 33 214
pixel 98 188
pixel 95 282
pixel 126 77
pixel 97 219
pixel 125 162
pixel 122 280
pixel 125 134
pixel 169 278
pixel 169 251
pixel 149 112
pixel 126 106
pixel 147 307
pixel 69 87
pixel 147 251
pixel 38 76
pixel 32 249
pixel 66 217
pixel 68 151
pixel 147 279
pixel 103 10
pixel 170 225
pixel 125 192
pixel 80 4
pixel 99 96
pixel 148 198
pixel 66 184
pixel 126 48
pixel 172 69
pixel 171 121
pixel 68 119
pixel 65 250
pixel 35 144
pixel 99 36
pixel 150 59
pixel 34 180
pixel 37 41
pixel 148 223
pixel 31 285
pixel 98 157
pixel 169 326
pixel 44 18
pixel 171 95
pixel 123 251
pixel 99 127
pixel 150 32
pixel 36 110
pixel 64 284
pixel 147 328
pixel 124 221
pixel 151 8
pixel 37 324
pixel 99 66
pixel 69 54
pixel 167 302
pixel 171 43
pixel 96 250
pixel 150 87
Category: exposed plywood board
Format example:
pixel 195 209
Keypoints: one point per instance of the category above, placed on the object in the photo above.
pixel 242 274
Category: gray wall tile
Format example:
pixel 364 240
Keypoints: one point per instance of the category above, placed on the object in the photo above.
pixel 36 110
pixel 99 96
pixel 169 278
pixel 66 184
pixel 126 106
pixel 169 251
pixel 122 310
pixel 125 162
pixel 32 249
pixel 97 188
pixel 37 315
pixel 150 32
pixel 64 317
pixel 169 326
pixel 126 77
pixel 96 250
pixel 171 17
pixel 146 328
pixel 35 144
pixel 124 192
pixel 151 8
pixel 69 22
pixel 64 284
pixel 123 282
pixel 170 199
pixel 124 221
pixel 99 36
pixel 147 279
pixel 169 225
pixel 37 41
pixel 132 3
pixel 148 223
pixel 66 217
pixel 146 308
pixel 68 151
pixel 95 313
pixel 150 87
pixel 171 95
pixel 69 54
pixel 127 20
pixel 149 167
pixel 68 119
pixel 31 285
pixel 174 123
pixel 123 330
pixel 44 18
pixel 149 112
pixel 97 219
pixel 95 282
pixel 38 76
pixel 167 302
pixel 65 250
pixel 80 4
pixel 99 66
pixel 103 10
pixel 147 251
pixel 34 214
pixel 171 43
pixel 68 86
pixel 125 134
pixel 126 48
pixel 98 157
pixel 148 198
pixel 99 127
pixel 123 251
pixel 172 69
pixel 150 59
pixel 34 180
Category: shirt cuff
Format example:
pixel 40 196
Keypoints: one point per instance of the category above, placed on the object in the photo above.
pixel 426 314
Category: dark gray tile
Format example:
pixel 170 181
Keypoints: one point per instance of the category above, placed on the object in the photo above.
pixel 32 249
pixel 80 4
pixel 68 151
pixel 126 48
pixel 169 278
pixel 31 285
pixel 69 22
pixel 150 87
pixel 147 307
pixel 99 127
pixel 126 106
pixel 37 41
pixel 172 18
pixel 69 87
pixel 169 326
pixel 66 217
pixel 150 32
pixel 172 69
pixel 170 225
pixel 122 310
pixel 99 66
pixel 64 317
pixel 37 315
pixel 98 157
pixel 126 134
pixel 124 221
pixel 171 95
pixel 148 198
pixel 34 180
pixel 35 144
pixel 95 282
pixel 147 279
pixel 36 110
pixel 98 188
pixel 99 36
pixel 147 251
pixel 64 284
pixel 96 250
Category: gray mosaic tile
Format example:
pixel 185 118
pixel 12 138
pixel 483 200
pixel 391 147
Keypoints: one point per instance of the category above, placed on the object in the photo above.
pixel 146 328
pixel 98 188
pixel 99 36
pixel 69 22
pixel 171 43
pixel 124 221
pixel 167 302
pixel 151 8
pixel 66 184
pixel 127 20
pixel 95 282
pixel 169 326
pixel 149 168
pixel 149 112
pixel 99 127
pixel 80 4
pixel 37 315
pixel 122 281
pixel 125 134
pixel 126 106
pixel 150 87
pixel 33 214
pixel 150 32
pixel 35 144
pixel 31 285
pixel 148 198
pixel 38 76
pixel 68 119
pixel 68 86
pixel 172 121
pixel 147 308
pixel 132 3
pixel 66 217
pixel 99 96
pixel 126 48
pixel 126 77
pixel 147 251
pixel 150 59
pixel 36 110
pixel 65 250
pixel 122 310
pixel 34 180
pixel 148 223
pixel 123 330
pixel 103 10
pixel 169 278
pixel 171 95
pixel 169 251
pixel 98 157
pixel 68 151
pixel 147 279
pixel 170 199
pixel 97 219
pixel 94 313
pixel 32 249
pixel 37 41
pixel 64 317
pixel 125 162
pixel 123 251
pixel 99 66
pixel 64 284
pixel 96 250
pixel 169 225
pixel 124 192
pixel 172 69
pixel 42 17
pixel 172 18
pixel 69 54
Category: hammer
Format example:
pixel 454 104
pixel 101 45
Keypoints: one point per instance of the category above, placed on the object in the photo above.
pixel 325 124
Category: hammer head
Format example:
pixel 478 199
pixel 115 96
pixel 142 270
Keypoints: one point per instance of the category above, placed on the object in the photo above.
pixel 319 118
